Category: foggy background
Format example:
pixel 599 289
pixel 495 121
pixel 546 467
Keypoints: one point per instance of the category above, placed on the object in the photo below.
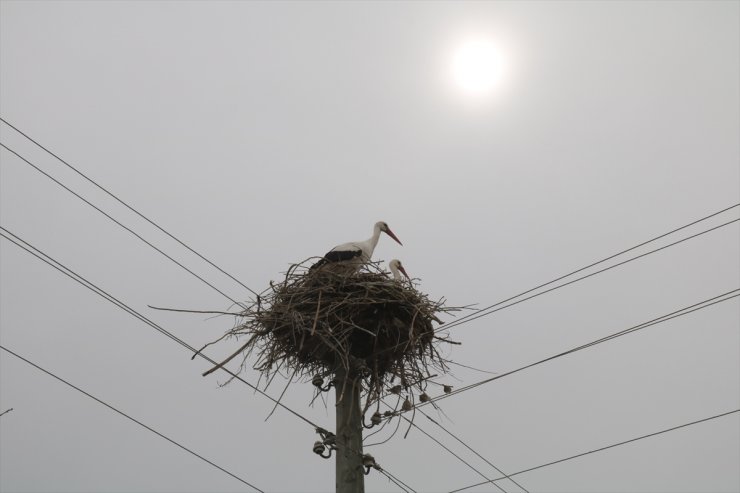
pixel 264 133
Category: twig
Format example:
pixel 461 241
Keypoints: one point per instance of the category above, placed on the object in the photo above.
pixel 316 318
pixel 234 355
pixel 195 311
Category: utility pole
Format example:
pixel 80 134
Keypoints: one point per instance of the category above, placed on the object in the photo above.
pixel 350 477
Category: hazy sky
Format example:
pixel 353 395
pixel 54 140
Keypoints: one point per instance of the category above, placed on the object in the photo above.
pixel 264 133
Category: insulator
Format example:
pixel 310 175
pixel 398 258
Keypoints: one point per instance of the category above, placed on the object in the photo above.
pixel 317 381
pixel 375 419
pixel 407 406
pixel 319 448
pixel 388 414
pixel 447 389
pixel 368 460
pixel 396 390
pixel 424 397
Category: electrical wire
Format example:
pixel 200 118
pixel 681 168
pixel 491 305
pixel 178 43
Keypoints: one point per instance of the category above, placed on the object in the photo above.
pixel 442 445
pixel 603 448
pixel 488 311
pixel 506 476
pixel 678 313
pixel 397 481
pixel 683 311
pixel 487 480
pixel 119 223
pixel 112 408
pixel 131 208
pixel 108 297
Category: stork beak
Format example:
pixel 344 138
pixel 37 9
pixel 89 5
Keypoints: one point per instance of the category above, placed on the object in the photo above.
pixel 403 271
pixel 390 233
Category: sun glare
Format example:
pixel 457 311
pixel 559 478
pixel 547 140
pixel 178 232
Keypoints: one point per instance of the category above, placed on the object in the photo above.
pixel 477 66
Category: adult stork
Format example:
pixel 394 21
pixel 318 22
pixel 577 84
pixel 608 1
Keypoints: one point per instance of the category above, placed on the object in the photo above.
pixel 396 269
pixel 356 253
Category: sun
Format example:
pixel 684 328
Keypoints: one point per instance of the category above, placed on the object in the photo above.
pixel 477 66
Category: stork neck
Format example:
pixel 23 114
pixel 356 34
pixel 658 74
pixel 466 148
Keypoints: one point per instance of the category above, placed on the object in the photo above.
pixel 373 240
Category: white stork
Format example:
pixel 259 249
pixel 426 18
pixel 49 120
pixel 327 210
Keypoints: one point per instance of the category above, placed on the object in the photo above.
pixel 356 253
pixel 396 268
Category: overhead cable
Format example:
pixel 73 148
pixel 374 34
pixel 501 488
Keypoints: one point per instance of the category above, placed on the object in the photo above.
pixel 506 476
pixel 669 316
pixel 113 408
pixel 716 416
pixel 120 224
pixel 488 310
pixel 108 297
pixel 131 208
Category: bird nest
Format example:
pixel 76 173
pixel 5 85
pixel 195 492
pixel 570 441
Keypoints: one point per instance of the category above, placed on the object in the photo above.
pixel 317 322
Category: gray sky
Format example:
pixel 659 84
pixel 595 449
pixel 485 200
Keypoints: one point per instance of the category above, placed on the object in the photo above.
pixel 263 133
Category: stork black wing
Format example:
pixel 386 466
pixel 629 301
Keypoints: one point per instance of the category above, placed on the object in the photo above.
pixel 341 255
pixel 337 256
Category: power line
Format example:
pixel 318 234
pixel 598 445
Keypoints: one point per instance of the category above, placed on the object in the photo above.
pixel 602 448
pixel 664 318
pixel 454 454
pixel 397 481
pixel 412 423
pixel 456 322
pixel 131 208
pixel 506 476
pixel 5 233
pixel 108 297
pixel 112 408
pixel 683 311
pixel 119 223
pixel 678 313
pixel 488 311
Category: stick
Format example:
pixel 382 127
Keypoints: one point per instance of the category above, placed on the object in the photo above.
pixel 193 311
pixel 236 353
pixel 316 318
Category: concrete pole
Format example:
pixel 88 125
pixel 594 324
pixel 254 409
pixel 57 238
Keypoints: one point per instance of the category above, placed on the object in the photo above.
pixel 349 474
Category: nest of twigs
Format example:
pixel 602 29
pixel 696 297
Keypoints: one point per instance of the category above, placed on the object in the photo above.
pixel 381 331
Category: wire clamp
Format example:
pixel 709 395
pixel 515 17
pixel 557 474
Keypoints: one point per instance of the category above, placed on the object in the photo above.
pixel 368 462
pixel 375 420
pixel 328 443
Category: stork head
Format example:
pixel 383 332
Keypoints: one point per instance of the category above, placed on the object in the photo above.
pixel 383 226
pixel 397 266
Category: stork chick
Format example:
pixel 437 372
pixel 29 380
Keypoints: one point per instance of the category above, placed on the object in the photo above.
pixel 396 269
